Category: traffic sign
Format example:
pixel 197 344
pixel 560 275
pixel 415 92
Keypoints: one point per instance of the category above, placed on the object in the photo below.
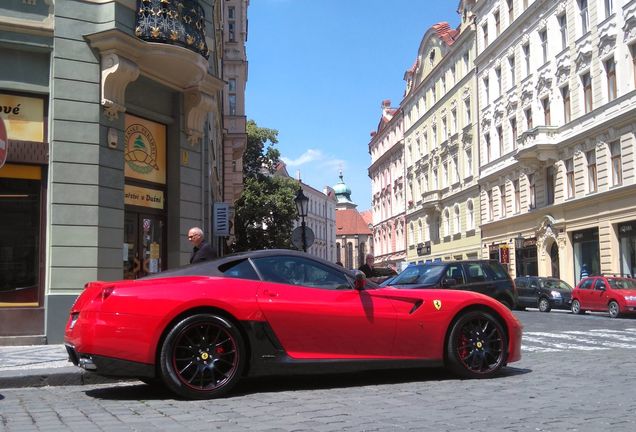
pixel 4 143
pixel 297 237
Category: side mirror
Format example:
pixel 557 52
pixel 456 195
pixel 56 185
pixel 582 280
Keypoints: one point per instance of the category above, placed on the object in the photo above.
pixel 360 281
pixel 449 282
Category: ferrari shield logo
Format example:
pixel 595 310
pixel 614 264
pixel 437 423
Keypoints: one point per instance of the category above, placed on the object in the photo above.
pixel 437 304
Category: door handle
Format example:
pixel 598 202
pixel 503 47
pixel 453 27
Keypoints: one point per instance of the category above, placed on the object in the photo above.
pixel 269 293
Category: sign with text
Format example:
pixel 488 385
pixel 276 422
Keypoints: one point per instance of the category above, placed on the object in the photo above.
pixel 145 150
pixel 221 223
pixel 23 117
pixel 143 197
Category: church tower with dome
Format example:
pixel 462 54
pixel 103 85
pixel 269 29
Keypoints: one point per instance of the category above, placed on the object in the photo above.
pixel 343 195
pixel 353 233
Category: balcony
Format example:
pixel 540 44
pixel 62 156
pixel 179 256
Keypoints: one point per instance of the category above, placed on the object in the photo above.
pixel 539 143
pixel 180 23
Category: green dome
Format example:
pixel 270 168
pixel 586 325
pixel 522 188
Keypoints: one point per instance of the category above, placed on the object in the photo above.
pixel 343 192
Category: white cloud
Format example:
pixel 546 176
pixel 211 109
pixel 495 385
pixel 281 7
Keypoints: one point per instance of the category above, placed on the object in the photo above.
pixel 310 155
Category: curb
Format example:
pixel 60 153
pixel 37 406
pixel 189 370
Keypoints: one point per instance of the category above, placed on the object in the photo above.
pixel 64 376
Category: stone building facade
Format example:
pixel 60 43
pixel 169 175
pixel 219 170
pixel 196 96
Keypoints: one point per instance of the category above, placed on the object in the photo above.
pixel 557 105
pixel 440 137
pixel 117 148
pixel 388 188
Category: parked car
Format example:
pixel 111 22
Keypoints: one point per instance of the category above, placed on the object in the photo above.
pixel 380 274
pixel 546 293
pixel 484 276
pixel 612 293
pixel 201 328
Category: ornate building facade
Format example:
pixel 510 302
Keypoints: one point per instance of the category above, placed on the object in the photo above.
pixel 116 147
pixel 388 188
pixel 442 211
pixel 557 105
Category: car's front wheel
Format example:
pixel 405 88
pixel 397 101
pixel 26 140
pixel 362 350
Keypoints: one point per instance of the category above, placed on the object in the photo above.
pixel 202 357
pixel 477 346
pixel 576 307
pixel 614 309
pixel 544 305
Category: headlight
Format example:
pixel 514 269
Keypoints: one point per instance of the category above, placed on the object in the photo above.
pixel 555 294
pixel 630 298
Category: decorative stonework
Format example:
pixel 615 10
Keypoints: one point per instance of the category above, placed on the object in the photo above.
pixel 606 45
pixel 563 70
pixel 197 105
pixel 544 83
pixel 583 59
pixel 629 29
pixel 527 94
pixel 117 73
pixel 512 104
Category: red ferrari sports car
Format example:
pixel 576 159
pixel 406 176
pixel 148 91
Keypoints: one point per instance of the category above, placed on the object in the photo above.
pixel 200 328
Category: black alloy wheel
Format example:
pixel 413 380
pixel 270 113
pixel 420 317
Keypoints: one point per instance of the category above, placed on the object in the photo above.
pixel 544 305
pixel 202 357
pixel 477 346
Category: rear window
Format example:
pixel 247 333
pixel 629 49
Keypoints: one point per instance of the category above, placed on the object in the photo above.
pixel 497 271
pixel 622 283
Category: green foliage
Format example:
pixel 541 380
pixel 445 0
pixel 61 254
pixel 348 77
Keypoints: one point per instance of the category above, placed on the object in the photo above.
pixel 265 212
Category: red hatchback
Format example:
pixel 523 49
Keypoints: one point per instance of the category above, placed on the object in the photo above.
pixel 615 294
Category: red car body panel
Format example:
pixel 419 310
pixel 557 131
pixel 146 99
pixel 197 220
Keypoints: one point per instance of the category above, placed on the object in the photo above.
pixel 593 299
pixel 126 319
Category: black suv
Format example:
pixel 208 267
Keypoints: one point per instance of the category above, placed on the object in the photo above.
pixel 546 293
pixel 484 276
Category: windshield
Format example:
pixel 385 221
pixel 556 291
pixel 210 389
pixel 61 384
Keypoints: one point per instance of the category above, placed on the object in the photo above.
pixel 419 275
pixel 556 284
pixel 622 283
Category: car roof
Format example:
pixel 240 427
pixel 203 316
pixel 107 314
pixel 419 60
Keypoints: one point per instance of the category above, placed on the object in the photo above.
pixel 440 263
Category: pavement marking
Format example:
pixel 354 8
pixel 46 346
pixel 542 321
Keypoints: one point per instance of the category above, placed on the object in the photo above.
pixel 577 340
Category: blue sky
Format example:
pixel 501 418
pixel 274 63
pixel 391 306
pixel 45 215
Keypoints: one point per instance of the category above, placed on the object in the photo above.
pixel 319 70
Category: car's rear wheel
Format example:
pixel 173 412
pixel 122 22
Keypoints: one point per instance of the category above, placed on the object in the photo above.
pixel 202 357
pixel 477 346
pixel 544 305
pixel 576 307
pixel 614 309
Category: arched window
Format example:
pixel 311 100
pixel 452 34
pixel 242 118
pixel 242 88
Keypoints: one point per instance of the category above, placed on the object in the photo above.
pixel 349 259
pixel 470 215
pixel 457 222
pixel 447 227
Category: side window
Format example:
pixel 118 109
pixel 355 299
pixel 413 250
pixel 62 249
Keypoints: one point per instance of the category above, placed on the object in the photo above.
pixel 299 271
pixel 534 283
pixel 455 271
pixel 587 284
pixel 239 269
pixel 474 273
pixel 520 283
pixel 495 271
pixel 599 284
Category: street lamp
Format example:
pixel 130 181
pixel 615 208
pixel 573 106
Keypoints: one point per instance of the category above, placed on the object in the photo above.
pixel 301 205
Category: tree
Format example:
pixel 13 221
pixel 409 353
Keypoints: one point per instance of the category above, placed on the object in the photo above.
pixel 265 212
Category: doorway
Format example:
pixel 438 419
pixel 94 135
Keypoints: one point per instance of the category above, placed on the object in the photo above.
pixel 144 244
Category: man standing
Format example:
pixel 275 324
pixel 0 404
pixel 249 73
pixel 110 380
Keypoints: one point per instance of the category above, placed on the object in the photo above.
pixel 367 267
pixel 201 250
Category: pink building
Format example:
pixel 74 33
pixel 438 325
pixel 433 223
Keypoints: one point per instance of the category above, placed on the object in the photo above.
pixel 387 187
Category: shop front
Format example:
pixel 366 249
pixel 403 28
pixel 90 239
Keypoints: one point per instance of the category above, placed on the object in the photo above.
pixel 627 238
pixel 586 253
pixel 526 257
pixel 144 248
pixel 23 177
